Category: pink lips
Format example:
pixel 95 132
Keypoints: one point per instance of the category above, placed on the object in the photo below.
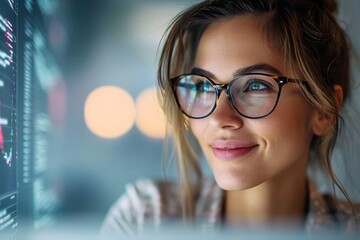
pixel 231 149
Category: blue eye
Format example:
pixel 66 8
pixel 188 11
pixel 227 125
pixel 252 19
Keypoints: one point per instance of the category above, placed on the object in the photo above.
pixel 257 85
pixel 186 85
pixel 204 87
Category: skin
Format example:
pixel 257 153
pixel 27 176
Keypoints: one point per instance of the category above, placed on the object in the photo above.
pixel 267 181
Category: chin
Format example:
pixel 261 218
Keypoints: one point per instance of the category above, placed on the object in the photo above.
pixel 230 182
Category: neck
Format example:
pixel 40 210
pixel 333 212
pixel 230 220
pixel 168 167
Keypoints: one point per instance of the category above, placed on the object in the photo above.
pixel 269 204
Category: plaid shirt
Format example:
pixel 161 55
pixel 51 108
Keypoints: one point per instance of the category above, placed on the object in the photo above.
pixel 150 204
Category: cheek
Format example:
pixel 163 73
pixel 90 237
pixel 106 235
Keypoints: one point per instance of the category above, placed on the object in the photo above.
pixel 288 129
pixel 198 128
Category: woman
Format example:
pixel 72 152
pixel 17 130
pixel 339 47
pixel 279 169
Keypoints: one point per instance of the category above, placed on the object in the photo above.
pixel 258 85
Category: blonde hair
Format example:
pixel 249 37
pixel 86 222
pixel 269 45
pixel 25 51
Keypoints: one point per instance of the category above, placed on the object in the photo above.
pixel 305 32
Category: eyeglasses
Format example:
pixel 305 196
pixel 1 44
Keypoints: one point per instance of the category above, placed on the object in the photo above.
pixel 253 95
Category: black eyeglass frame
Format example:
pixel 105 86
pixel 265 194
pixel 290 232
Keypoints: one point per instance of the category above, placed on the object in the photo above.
pixel 219 88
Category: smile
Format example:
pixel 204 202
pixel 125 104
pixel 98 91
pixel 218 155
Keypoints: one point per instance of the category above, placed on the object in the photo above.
pixel 230 150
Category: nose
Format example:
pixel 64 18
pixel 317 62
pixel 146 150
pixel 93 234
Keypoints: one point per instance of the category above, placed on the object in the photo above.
pixel 224 116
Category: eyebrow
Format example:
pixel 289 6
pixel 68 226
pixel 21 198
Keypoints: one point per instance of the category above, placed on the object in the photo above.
pixel 250 69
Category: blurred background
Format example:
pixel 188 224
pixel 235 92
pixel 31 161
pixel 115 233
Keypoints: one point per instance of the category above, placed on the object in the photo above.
pixel 112 129
pixel 86 87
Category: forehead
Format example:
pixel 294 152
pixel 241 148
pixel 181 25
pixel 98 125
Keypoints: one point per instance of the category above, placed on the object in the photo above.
pixel 236 42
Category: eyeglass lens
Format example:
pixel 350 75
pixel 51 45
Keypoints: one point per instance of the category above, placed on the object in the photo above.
pixel 253 95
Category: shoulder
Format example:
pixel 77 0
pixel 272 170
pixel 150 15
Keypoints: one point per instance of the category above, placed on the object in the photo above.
pixel 145 201
pixel 345 213
pixel 326 211
pixel 148 203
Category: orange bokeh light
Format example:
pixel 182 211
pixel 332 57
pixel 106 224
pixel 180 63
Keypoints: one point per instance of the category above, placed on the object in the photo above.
pixel 109 112
pixel 150 118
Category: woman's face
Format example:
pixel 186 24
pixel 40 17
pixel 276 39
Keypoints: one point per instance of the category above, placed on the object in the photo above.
pixel 243 152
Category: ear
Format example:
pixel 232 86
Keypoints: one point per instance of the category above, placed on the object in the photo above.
pixel 339 95
pixel 323 122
